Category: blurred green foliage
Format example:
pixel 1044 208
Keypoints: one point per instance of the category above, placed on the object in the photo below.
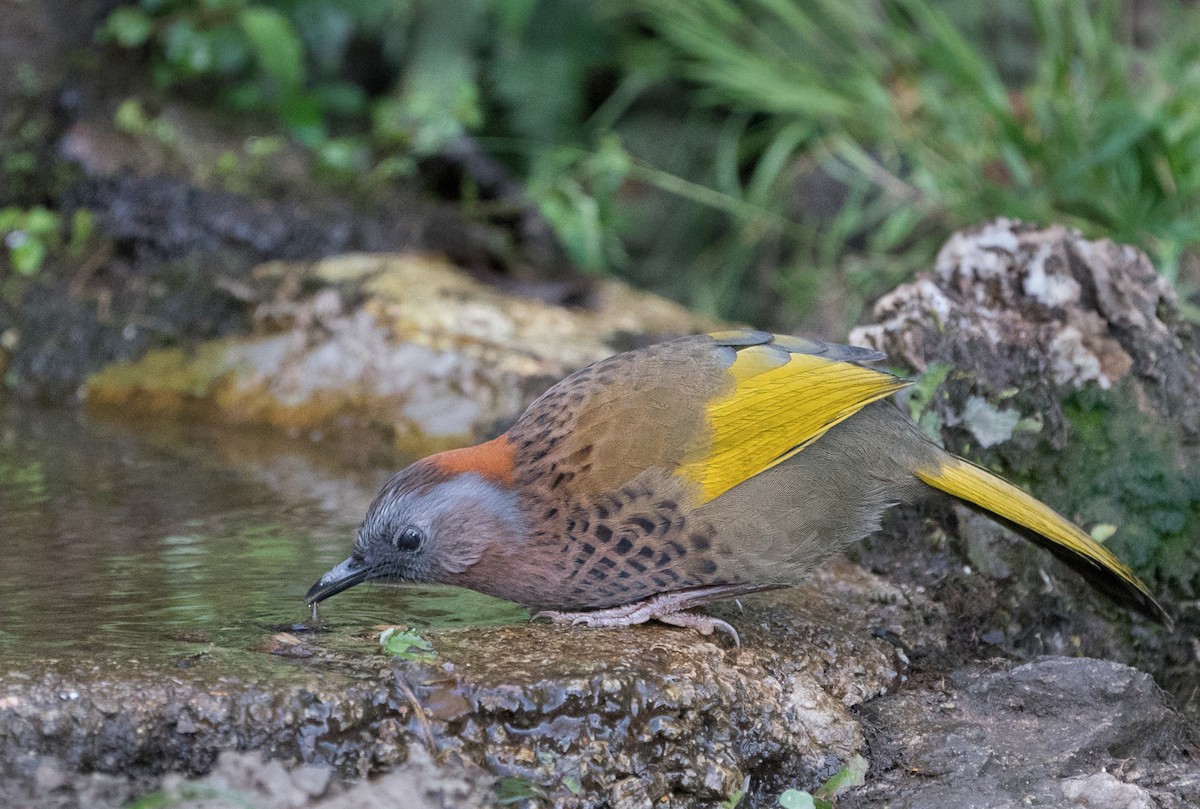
pixel 762 160
pixel 371 84
pixel 929 134
pixel 34 234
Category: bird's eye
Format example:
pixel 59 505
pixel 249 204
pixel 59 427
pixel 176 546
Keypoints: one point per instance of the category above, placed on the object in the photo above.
pixel 409 539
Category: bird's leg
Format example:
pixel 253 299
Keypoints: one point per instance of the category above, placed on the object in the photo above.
pixel 665 607
pixel 638 613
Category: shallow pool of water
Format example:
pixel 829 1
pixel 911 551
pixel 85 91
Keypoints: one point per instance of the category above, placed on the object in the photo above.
pixel 123 541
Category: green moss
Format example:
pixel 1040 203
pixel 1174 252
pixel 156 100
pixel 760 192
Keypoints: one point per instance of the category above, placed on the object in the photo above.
pixel 1125 468
pixel 165 371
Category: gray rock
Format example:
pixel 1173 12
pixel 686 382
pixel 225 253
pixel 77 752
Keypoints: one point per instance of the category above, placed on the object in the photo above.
pixel 1067 364
pixel 1055 732
pixel 1034 311
pixel 1105 789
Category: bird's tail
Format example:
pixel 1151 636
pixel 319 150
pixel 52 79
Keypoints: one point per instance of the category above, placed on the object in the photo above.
pixel 1042 525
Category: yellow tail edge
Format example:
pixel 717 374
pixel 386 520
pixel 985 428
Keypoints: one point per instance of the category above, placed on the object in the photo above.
pixel 1046 527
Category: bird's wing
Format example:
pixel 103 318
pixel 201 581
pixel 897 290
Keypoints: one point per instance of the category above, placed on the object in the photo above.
pixel 786 393
pixel 713 410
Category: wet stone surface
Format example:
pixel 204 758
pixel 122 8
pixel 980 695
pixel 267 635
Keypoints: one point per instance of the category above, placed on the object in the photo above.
pixel 649 715
pixel 163 624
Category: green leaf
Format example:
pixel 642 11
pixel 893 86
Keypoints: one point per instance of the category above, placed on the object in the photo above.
pixel 83 225
pixel 128 26
pixel 796 799
pixel 10 218
pixel 514 15
pixel 511 789
pixel 276 46
pixel 341 98
pixel 854 774
pixel 774 161
pixel 895 229
pixel 303 118
pixel 130 117
pixel 406 644
pixel 27 253
pixel 42 223
pixel 345 155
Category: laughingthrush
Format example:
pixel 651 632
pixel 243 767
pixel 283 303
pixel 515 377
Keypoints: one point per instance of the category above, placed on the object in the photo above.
pixel 671 476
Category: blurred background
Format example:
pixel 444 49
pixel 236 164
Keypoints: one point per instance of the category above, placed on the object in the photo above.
pixel 766 161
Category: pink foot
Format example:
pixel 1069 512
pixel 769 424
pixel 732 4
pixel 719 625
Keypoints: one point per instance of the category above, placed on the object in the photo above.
pixel 665 607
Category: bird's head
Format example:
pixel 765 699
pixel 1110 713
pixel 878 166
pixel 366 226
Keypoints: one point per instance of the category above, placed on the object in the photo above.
pixel 426 525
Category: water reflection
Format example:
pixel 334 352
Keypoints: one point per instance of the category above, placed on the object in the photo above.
pixel 125 540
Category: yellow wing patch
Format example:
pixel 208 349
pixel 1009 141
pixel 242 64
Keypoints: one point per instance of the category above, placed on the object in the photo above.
pixel 780 403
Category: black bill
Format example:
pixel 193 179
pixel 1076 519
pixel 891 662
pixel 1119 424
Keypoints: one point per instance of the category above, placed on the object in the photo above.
pixel 343 577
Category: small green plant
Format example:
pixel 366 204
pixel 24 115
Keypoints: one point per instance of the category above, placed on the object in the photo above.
pixel 32 235
pixel 853 774
pixel 577 192
pixel 252 48
pixel 512 790
pixel 290 59
pixel 439 71
pixel 678 142
pixel 921 396
pixel 131 118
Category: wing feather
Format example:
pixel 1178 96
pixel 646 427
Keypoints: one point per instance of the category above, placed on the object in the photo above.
pixel 713 410
pixel 787 394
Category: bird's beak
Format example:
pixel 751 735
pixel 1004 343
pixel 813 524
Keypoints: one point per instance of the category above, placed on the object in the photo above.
pixel 343 577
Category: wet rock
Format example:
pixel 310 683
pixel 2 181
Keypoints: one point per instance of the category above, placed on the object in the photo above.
pixel 406 344
pixel 583 717
pixel 1054 732
pixel 421 784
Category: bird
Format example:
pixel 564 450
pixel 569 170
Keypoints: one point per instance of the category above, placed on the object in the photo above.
pixel 665 478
